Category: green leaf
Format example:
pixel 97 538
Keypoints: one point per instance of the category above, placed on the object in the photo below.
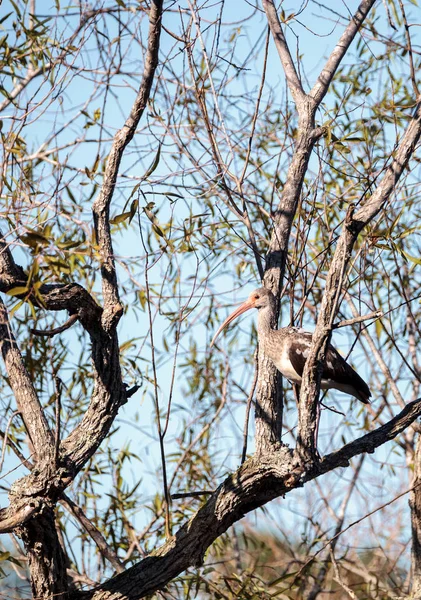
pixel 158 230
pixel 413 259
pixel 16 307
pixel 133 209
pixel 34 238
pixel 154 164
pixel 142 298
pixel 69 245
pixel 120 218
pixel 18 290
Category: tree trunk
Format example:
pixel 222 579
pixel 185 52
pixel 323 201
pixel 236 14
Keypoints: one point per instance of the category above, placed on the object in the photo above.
pixel 47 561
pixel 415 506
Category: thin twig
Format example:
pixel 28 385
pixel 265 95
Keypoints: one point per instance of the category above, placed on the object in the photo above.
pixel 95 534
pixel 356 522
pixel 27 463
pixel 192 494
pixel 377 314
pixel 411 56
pixel 167 496
pixel 338 578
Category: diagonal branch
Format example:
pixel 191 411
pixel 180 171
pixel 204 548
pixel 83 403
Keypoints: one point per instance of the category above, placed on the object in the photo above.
pixel 291 74
pixel 101 208
pixel 255 483
pixel 324 79
pixel 354 223
pixel 95 534
pixel 23 389
pixel 269 391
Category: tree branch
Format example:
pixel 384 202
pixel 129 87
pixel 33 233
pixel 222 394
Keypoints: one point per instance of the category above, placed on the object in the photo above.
pixel 95 534
pixel 291 74
pixel 256 482
pixel 321 86
pixel 52 332
pixel 353 225
pixel 269 391
pixel 101 208
pixel 23 389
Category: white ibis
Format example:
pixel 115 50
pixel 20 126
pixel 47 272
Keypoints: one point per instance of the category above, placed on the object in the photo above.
pixel 288 348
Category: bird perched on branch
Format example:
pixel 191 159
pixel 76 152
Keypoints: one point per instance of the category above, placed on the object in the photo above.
pixel 288 348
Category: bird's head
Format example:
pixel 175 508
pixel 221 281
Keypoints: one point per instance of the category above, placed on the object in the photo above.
pixel 260 298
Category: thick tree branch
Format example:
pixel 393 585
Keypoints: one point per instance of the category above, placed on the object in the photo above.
pixel 109 392
pixel 321 86
pixel 47 560
pixel 293 81
pixel 353 225
pixel 13 517
pixel 23 389
pixel 257 481
pixel 101 208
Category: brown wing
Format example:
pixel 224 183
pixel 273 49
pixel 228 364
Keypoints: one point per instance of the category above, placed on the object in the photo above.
pixel 335 369
pixel 298 351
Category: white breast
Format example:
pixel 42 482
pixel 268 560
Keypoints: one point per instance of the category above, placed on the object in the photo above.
pixel 283 364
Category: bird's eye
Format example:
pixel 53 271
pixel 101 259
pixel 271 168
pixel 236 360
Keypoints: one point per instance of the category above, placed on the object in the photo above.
pixel 256 296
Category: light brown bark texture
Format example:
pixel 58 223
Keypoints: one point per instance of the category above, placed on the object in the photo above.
pixel 32 498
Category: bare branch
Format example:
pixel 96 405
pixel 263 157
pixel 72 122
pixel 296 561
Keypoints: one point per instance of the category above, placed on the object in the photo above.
pixel 269 395
pixel 101 208
pixel 376 314
pixel 9 520
pixel 291 74
pixel 57 330
pixel 353 225
pixel 323 81
pixel 23 389
pixel 95 534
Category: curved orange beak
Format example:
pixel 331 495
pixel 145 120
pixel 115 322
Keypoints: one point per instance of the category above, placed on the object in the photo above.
pixel 247 305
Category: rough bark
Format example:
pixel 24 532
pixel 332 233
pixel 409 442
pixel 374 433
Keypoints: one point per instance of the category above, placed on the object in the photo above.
pixel 32 498
pixel 47 561
pixel 24 392
pixel 415 506
pixel 275 470
pixel 259 480
pixel 101 208
pixel 269 392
